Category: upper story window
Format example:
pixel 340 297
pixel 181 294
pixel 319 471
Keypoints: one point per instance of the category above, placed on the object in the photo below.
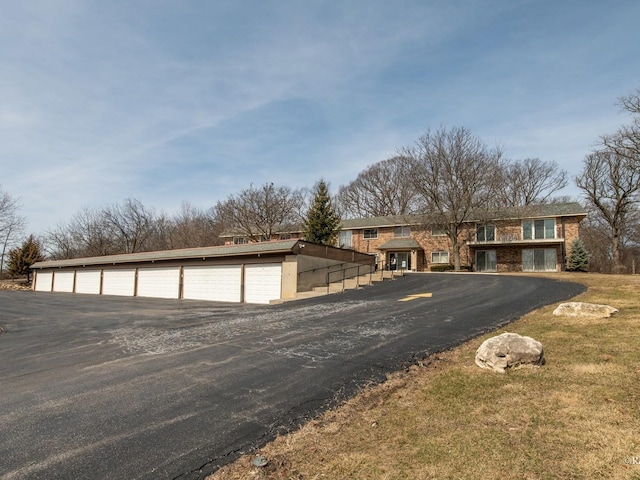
pixel 370 233
pixel 539 229
pixel 401 232
pixel 240 240
pixel 438 231
pixel 486 233
pixel 344 238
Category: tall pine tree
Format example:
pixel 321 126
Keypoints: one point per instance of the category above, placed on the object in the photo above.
pixel 322 222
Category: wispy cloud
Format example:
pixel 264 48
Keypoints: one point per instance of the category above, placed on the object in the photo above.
pixel 195 100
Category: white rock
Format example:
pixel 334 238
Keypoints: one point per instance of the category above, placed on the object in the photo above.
pixel 509 351
pixel 581 309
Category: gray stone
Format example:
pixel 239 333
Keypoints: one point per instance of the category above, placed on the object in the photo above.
pixel 509 351
pixel 581 309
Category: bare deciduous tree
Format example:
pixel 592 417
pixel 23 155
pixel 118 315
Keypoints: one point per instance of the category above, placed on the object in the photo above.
pixel 191 227
pixel 11 224
pixel 626 141
pixel 611 183
pixel 454 173
pixel 257 213
pixel 131 224
pixel 382 189
pixel 529 181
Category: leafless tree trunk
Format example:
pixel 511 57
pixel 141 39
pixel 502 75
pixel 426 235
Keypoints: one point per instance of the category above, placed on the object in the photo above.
pixel 454 172
pixel 11 224
pixel 611 183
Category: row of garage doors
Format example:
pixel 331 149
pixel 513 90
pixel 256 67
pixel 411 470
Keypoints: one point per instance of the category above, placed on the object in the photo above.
pixel 222 283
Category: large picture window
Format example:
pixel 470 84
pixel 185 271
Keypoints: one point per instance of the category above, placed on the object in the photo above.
pixel 539 260
pixel 539 229
pixel 486 233
pixel 440 256
pixel 370 233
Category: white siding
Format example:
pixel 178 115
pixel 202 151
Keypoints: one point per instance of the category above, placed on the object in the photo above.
pixel 88 281
pixel 216 283
pixel 159 282
pixel 44 281
pixel 63 281
pixel 262 282
pixel 119 282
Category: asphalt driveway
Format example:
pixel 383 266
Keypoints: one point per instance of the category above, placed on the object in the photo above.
pixel 109 387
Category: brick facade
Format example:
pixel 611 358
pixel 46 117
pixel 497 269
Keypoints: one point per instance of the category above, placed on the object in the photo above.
pixel 508 245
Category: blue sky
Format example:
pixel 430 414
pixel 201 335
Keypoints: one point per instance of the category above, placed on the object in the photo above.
pixel 194 100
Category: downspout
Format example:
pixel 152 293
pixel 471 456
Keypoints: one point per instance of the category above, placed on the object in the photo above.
pixel 564 246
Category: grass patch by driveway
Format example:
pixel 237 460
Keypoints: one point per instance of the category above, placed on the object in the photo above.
pixel 576 417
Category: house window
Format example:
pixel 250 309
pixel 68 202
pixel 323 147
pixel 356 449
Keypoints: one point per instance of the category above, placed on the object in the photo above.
pixel 285 236
pixel 539 229
pixel 539 260
pixel 240 240
pixel 402 232
pixel 440 257
pixel 438 232
pixel 370 233
pixel 486 261
pixel 344 239
pixel 486 233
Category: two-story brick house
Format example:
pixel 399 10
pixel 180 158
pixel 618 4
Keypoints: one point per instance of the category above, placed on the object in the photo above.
pixel 532 238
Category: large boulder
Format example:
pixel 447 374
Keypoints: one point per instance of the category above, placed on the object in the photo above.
pixel 509 351
pixel 581 309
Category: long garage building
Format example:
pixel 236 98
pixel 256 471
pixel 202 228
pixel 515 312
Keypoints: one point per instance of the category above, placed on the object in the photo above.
pixel 250 273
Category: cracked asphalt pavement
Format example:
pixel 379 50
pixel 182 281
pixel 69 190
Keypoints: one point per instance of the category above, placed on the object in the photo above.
pixel 137 388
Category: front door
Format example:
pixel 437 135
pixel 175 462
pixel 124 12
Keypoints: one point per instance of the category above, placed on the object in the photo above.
pixel 403 260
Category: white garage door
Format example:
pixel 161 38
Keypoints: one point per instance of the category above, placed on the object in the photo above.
pixel 88 281
pixel 262 282
pixel 159 282
pixel 118 282
pixel 219 284
pixel 63 281
pixel 44 280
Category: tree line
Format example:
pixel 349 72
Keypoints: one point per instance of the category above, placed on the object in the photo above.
pixel 449 173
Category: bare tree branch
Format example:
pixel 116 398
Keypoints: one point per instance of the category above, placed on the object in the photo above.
pixel 454 173
pixel 384 188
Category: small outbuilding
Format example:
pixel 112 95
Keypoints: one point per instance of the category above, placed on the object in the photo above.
pixel 250 273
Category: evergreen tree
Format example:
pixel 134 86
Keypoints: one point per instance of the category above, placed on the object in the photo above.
pixel 322 223
pixel 21 258
pixel 578 260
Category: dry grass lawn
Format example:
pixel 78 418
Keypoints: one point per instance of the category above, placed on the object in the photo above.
pixel 577 417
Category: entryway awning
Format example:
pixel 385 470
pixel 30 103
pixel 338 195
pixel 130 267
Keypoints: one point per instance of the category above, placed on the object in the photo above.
pixel 400 244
